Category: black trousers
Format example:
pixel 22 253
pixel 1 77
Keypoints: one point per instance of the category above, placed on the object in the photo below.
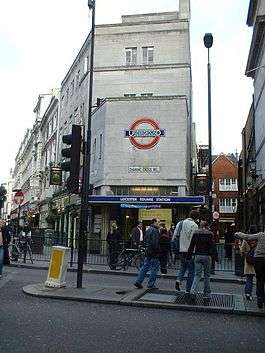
pixel 259 266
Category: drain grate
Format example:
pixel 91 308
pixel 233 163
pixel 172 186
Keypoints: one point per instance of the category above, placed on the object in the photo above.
pixel 224 301
pixel 217 300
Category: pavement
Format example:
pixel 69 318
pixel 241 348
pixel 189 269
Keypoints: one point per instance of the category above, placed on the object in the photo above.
pixel 222 301
pixel 44 325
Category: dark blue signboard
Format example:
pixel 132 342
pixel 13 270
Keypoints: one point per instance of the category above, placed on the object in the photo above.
pixel 137 205
pixel 191 200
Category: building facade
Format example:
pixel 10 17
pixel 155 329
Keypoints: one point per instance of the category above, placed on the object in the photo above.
pixel 255 69
pixel 225 190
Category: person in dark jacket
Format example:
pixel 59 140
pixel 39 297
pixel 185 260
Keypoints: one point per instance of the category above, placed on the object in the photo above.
pixel 203 246
pixel 114 240
pixel 137 235
pixel 164 248
pixel 151 261
pixel 6 240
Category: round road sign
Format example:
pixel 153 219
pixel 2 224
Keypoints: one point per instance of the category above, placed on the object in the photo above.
pixel 19 198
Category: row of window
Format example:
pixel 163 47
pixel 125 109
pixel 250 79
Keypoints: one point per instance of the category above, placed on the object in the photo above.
pixel 131 55
pixel 228 184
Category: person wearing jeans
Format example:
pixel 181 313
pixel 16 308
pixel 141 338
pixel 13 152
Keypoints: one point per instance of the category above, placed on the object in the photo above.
pixel 203 245
pixel 259 263
pixel 188 227
pixel 1 249
pixel 152 253
pixel 249 270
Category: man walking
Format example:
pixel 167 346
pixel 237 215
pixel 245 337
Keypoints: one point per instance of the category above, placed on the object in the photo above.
pixel 152 252
pixel 188 227
pixel 205 252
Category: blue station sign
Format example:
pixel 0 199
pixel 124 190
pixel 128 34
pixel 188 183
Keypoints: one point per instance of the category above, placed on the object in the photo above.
pixel 168 200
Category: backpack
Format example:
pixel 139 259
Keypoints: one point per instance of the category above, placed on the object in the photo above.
pixel 177 237
pixel 250 256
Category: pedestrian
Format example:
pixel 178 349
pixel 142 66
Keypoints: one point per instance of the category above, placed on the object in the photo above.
pixel 137 236
pixel 152 252
pixel 164 248
pixel 114 240
pixel 229 240
pixel 3 242
pixel 247 249
pixel 6 231
pixel 259 263
pixel 188 227
pixel 171 258
pixel 203 246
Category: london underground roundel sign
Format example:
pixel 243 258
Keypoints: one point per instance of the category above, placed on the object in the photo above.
pixel 144 133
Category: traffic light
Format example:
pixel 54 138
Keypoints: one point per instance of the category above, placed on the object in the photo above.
pixel 73 154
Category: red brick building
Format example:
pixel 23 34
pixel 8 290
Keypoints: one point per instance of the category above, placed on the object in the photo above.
pixel 225 189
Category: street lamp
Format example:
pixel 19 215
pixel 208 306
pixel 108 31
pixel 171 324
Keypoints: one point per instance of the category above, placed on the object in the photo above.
pixel 208 42
pixel 85 214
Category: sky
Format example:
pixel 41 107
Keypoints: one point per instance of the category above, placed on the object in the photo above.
pixel 40 39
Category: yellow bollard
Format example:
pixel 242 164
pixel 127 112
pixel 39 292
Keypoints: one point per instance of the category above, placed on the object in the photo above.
pixel 58 267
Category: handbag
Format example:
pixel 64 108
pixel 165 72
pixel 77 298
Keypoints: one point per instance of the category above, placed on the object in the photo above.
pixel 250 256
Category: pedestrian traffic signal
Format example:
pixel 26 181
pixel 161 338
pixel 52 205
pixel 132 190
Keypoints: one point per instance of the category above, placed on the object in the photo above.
pixel 73 154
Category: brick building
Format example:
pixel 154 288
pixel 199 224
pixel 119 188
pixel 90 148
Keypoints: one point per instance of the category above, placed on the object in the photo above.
pixel 225 189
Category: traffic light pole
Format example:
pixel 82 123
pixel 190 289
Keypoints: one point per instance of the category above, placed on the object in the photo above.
pixel 85 215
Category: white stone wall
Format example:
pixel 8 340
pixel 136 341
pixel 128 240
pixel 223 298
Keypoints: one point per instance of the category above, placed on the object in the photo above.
pixel 169 155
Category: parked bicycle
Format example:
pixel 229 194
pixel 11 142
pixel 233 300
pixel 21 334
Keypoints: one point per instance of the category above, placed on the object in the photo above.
pixel 126 258
pixel 20 247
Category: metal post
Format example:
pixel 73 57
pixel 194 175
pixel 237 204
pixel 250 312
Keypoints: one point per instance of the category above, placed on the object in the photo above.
pixel 210 203
pixel 85 209
pixel 18 219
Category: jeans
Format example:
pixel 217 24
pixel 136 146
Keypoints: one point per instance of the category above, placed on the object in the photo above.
pixel 249 284
pixel 259 266
pixel 186 265
pixel 151 264
pixel 202 262
pixel 1 259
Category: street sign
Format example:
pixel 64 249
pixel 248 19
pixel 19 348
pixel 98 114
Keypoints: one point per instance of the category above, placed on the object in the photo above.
pixel 19 198
pixel 216 215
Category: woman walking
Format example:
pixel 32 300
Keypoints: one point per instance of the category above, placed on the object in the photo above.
pixel 247 249
pixel 259 263
pixel 164 248
pixel 114 239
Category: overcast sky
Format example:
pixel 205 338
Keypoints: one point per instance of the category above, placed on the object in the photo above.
pixel 39 40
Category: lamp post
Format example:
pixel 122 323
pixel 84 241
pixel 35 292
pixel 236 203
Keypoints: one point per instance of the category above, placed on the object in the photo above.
pixel 85 214
pixel 208 42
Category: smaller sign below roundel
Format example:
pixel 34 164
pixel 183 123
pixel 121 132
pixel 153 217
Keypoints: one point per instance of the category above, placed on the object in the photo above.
pixel 144 133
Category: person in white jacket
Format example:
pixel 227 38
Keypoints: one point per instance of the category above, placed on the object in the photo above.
pixel 189 226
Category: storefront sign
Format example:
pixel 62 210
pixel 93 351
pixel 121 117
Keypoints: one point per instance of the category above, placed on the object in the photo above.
pixel 144 128
pixel 56 176
pixel 139 169
pixel 192 200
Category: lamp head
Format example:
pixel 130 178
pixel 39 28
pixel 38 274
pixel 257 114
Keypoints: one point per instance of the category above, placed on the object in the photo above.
pixel 208 40
pixel 91 4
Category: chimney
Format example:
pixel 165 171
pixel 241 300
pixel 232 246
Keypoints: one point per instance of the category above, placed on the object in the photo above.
pixel 184 9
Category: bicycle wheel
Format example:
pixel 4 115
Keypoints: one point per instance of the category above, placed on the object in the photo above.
pixel 138 261
pixel 122 263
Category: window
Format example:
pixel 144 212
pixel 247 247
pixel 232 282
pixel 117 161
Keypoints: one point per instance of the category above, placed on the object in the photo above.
pixel 94 149
pixel 100 145
pixel 67 95
pixel 148 55
pixel 86 65
pixel 72 87
pixel 129 95
pixel 227 205
pixel 146 94
pixel 76 121
pixel 228 184
pixel 77 79
pixel 82 112
pixel 131 56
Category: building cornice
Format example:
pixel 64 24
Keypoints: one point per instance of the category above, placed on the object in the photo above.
pixel 258 38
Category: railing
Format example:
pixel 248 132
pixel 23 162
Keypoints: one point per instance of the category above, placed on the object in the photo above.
pixel 97 251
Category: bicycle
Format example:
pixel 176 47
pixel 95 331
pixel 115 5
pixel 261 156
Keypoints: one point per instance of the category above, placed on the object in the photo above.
pixel 19 248
pixel 121 260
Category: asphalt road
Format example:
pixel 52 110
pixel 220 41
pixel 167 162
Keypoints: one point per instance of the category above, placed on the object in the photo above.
pixel 34 325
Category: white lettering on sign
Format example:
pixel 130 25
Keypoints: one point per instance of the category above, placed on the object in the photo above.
pixel 142 169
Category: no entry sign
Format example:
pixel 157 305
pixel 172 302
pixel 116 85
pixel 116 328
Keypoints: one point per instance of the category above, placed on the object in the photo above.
pixel 19 198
